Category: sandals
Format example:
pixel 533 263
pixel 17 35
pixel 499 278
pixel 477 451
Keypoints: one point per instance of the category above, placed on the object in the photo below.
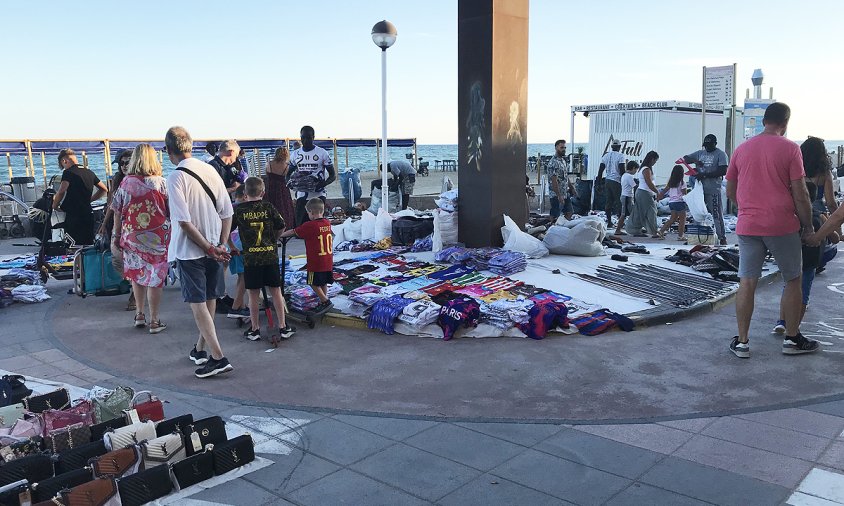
pixel 140 320
pixel 131 306
pixel 156 326
pixel 681 238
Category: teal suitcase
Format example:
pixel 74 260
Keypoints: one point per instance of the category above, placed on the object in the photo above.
pixel 93 273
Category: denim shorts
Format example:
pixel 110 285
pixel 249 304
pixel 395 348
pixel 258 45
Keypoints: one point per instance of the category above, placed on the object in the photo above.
pixel 677 207
pixel 787 251
pixel 201 279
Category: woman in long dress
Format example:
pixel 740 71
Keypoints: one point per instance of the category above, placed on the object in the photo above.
pixel 278 194
pixel 142 232
pixel 644 207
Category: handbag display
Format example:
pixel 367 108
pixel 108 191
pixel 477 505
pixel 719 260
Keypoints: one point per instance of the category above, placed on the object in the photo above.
pixel 10 414
pixel 56 419
pixel 129 435
pixel 19 449
pixel 145 486
pixel 98 430
pixel 98 492
pixel 13 389
pixel 194 469
pixel 32 468
pixel 150 409
pixel 57 399
pixel 10 495
pixel 233 454
pixel 118 463
pixel 113 405
pixel 78 457
pixel 28 426
pixel 45 490
pixel 180 424
pixel 167 449
pixel 68 437
pixel 211 430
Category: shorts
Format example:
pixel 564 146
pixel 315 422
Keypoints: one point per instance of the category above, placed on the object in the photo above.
pixel 320 278
pixel 201 279
pixel 626 206
pixel 787 251
pixel 259 276
pixel 678 207
pixel 236 265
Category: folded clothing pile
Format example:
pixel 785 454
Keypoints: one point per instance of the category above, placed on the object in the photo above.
pixel 302 298
pixel 366 295
pixel 508 262
pixel 385 312
pixel 481 257
pixel 420 313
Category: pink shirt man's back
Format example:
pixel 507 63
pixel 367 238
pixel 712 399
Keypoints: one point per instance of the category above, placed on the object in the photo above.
pixel 763 168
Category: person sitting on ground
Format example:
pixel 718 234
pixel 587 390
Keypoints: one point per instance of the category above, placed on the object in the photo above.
pixel 319 251
pixel 676 190
pixel 75 195
pixel 628 183
pixel 239 308
pixel 259 224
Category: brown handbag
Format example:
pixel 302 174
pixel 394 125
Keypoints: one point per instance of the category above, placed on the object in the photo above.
pixel 118 463
pixel 68 437
pixel 98 492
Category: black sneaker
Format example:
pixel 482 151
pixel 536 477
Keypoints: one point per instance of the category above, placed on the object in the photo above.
pixel 323 306
pixel 286 332
pixel 224 304
pixel 742 350
pixel 252 334
pixel 799 345
pixel 213 368
pixel 198 357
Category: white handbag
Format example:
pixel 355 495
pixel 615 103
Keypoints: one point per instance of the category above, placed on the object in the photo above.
pixel 167 449
pixel 129 435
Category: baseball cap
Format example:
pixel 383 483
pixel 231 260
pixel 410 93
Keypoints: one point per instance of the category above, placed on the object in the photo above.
pixel 120 154
pixel 710 138
pixel 616 142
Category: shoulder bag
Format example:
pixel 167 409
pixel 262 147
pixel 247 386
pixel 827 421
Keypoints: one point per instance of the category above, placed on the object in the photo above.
pixel 45 490
pixel 211 430
pixel 129 435
pixel 98 492
pixel 68 437
pixel 113 405
pixel 150 409
pixel 118 463
pixel 29 426
pixel 13 389
pixel 194 469
pixel 12 494
pixel 145 486
pixel 180 424
pixel 167 449
pixel 98 430
pixel 77 458
pixel 10 414
pixel 57 419
pixel 20 449
pixel 233 454
pixel 32 468
pixel 57 399
pixel 201 182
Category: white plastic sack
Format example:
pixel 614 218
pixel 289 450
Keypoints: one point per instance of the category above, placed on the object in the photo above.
pixel 516 240
pixel 383 226
pixel 367 226
pixel 351 230
pixel 448 227
pixel 339 232
pixel 697 206
pixel 581 237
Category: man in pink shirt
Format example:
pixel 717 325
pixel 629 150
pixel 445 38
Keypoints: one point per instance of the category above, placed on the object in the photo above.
pixel 765 179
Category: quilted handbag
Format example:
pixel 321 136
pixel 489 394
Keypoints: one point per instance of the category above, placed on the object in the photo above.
pixel 211 430
pixel 98 430
pixel 13 389
pixel 10 414
pixel 28 426
pixel 118 463
pixel 148 406
pixel 129 435
pixel 78 457
pixel 233 454
pixel 68 437
pixel 113 405
pixel 10 495
pixel 180 424
pixel 56 419
pixel 45 490
pixel 167 449
pixel 57 399
pixel 194 469
pixel 145 486
pixel 20 449
pixel 98 492
pixel 32 468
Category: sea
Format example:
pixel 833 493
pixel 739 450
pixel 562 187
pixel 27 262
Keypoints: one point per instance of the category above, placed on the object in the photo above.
pixel 363 159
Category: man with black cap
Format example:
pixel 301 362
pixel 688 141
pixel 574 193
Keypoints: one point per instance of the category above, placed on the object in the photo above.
pixel 711 165
pixel 613 163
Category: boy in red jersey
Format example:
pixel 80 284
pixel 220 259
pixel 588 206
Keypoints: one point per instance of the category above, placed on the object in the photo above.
pixel 319 249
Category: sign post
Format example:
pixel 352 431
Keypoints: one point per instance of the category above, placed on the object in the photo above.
pixel 719 92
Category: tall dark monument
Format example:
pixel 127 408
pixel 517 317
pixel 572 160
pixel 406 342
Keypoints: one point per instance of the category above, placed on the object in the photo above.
pixel 492 106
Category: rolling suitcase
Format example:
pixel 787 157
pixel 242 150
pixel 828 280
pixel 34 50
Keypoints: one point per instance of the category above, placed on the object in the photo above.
pixel 93 273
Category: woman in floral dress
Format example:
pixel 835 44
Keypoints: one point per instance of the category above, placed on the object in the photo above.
pixel 142 232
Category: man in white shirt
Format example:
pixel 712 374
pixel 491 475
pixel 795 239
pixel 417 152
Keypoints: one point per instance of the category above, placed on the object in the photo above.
pixel 613 163
pixel 312 170
pixel 201 214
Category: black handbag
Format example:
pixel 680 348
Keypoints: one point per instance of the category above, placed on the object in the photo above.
pixel 58 399
pixel 145 486
pixel 99 429
pixel 14 451
pixel 211 430
pixel 192 470
pixel 13 389
pixel 78 457
pixel 10 494
pixel 32 468
pixel 233 454
pixel 180 424
pixel 45 490
pixel 407 229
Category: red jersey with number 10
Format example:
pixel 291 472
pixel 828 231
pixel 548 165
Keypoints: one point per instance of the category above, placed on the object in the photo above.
pixel 319 245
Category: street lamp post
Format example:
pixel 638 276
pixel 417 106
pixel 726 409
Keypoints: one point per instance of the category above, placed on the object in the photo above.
pixel 384 35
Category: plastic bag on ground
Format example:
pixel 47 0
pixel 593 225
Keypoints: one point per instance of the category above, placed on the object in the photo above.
pixel 367 225
pixel 697 206
pixel 448 227
pixel 383 226
pixel 582 237
pixel 436 237
pixel 340 231
pixel 516 240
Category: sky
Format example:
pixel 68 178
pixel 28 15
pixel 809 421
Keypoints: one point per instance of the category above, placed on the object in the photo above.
pixel 256 69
